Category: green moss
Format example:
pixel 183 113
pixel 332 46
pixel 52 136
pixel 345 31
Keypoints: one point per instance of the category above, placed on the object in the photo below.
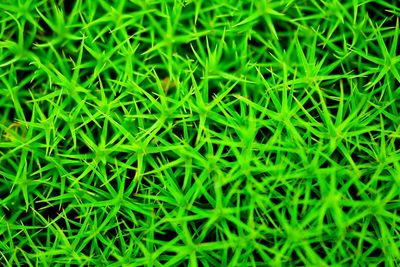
pixel 199 133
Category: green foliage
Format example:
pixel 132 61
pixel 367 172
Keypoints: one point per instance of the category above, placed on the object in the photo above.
pixel 199 133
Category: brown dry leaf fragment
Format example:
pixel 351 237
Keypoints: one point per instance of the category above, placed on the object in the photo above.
pixel 166 83
pixel 7 135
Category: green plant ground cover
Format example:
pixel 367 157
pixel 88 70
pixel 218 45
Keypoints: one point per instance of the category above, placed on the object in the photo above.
pixel 199 133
